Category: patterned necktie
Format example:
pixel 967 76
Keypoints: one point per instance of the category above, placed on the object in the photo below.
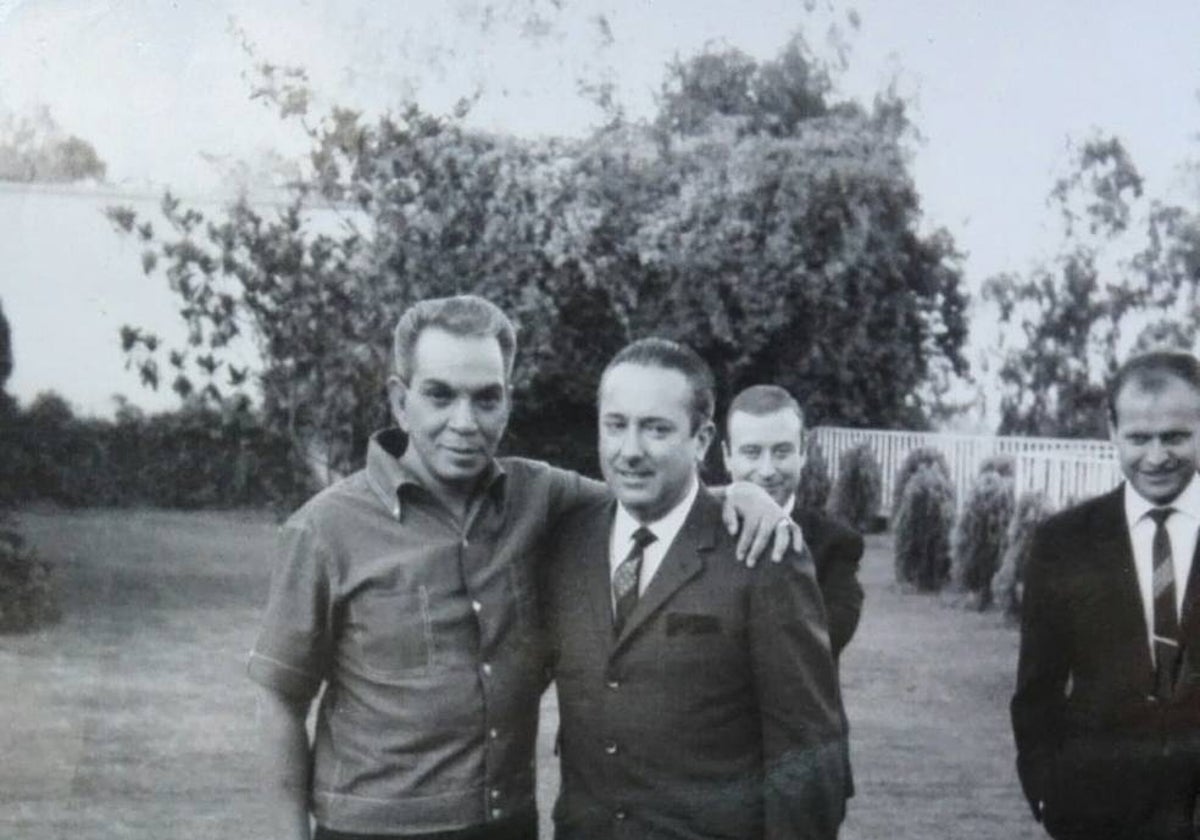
pixel 1166 616
pixel 625 578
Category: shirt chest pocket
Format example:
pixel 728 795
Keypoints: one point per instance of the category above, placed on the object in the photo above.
pixel 414 629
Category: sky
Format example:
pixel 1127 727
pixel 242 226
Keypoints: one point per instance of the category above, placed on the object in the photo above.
pixel 998 92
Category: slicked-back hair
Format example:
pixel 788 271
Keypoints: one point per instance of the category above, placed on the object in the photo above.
pixel 671 355
pixel 468 316
pixel 761 400
pixel 1151 372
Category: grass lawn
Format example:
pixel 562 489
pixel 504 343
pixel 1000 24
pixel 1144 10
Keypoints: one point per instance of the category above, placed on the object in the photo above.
pixel 133 718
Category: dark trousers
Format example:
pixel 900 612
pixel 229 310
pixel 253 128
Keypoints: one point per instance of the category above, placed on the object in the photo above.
pixel 523 826
pixel 1172 815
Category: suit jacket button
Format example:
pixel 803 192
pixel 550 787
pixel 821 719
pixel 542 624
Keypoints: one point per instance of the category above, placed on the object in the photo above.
pixel 613 684
pixel 620 814
pixel 611 748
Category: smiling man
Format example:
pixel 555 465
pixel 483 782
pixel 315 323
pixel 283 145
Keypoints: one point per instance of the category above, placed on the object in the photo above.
pixel 406 592
pixel 697 699
pixel 764 431
pixel 1106 712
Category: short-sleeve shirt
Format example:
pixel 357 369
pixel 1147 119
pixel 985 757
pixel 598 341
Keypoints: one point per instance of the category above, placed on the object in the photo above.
pixel 423 632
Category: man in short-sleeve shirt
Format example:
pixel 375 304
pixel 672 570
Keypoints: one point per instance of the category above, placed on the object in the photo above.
pixel 404 590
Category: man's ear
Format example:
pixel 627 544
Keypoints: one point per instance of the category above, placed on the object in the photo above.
pixel 704 438
pixel 397 398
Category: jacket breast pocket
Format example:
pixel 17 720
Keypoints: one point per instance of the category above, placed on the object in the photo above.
pixel 393 630
pixel 692 624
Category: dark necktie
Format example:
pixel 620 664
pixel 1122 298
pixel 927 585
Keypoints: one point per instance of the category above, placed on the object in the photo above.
pixel 1166 616
pixel 625 578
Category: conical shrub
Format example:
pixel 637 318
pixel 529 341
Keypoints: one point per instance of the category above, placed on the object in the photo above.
pixel 815 484
pixel 1032 509
pixel 923 524
pixel 979 539
pixel 857 490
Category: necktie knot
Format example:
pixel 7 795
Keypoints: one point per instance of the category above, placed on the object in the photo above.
pixel 642 537
pixel 1160 514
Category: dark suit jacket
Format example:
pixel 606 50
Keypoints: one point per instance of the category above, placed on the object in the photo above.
pixel 715 713
pixel 836 552
pixel 1093 743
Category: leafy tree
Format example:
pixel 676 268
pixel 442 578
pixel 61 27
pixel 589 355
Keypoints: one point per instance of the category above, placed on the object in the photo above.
pixel 1122 272
pixel 6 358
pixel 773 231
pixel 35 149
pixel 8 413
pixel 28 593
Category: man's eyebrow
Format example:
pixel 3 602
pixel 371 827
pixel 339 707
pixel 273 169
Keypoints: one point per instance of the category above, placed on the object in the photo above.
pixel 435 383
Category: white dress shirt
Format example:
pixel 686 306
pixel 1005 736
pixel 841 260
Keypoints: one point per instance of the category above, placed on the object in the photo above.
pixel 665 529
pixel 1182 527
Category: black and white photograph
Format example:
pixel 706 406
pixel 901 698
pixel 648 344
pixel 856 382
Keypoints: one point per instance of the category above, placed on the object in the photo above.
pixel 599 420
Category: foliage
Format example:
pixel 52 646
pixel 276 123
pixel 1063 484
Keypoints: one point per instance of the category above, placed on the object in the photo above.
pixel 37 150
pixel 1001 465
pixel 28 597
pixel 1122 272
pixel 978 542
pixel 922 456
pixel 812 493
pixel 774 231
pixel 1032 509
pixel 28 593
pixel 857 489
pixel 6 358
pixel 924 519
pixel 191 458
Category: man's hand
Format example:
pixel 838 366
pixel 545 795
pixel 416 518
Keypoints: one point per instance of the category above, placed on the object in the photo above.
pixel 761 520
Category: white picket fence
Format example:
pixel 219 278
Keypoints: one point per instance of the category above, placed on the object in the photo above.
pixel 1064 470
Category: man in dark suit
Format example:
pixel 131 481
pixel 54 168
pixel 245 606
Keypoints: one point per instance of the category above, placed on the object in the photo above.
pixel 1106 712
pixel 764 430
pixel 697 698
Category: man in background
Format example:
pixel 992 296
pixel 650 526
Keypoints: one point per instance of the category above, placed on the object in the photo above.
pixel 697 698
pixel 1106 712
pixel 764 444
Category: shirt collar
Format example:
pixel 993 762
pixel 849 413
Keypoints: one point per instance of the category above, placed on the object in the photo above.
pixel 665 528
pixel 1187 502
pixel 390 478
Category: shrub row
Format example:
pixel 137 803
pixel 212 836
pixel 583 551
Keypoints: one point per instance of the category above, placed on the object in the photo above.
pixel 197 457
pixel 983 552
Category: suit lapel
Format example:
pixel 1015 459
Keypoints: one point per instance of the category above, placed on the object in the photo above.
pixel 595 572
pixel 683 562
